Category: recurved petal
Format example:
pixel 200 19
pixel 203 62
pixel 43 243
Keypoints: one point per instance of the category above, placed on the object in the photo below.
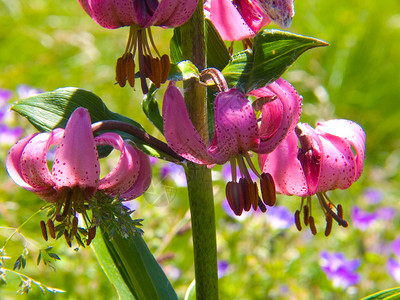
pixel 236 128
pixel 125 173
pixel 26 164
pixel 338 165
pixel 34 159
pixel 112 13
pixel 172 13
pixel 142 181
pixel 280 11
pixel 352 133
pixel 76 160
pixel 279 116
pixel 230 23
pixel 285 168
pixel 179 131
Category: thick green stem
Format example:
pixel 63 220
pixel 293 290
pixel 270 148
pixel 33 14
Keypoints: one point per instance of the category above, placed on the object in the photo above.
pixel 199 181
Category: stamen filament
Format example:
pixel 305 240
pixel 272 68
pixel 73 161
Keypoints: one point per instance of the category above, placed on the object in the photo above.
pixel 251 165
pixel 152 41
pixel 243 169
pixel 233 168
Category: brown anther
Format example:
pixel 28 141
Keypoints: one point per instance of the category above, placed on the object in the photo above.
pixel 74 226
pixel 344 224
pixel 165 68
pixel 120 71
pixel 91 235
pixel 130 69
pixel 312 225
pixel 254 194
pixel 147 65
pixel 234 195
pixel 261 205
pixel 306 215
pixel 67 239
pixel 59 218
pixel 246 190
pixel 52 231
pixel 340 211
pixel 268 189
pixel 297 220
pixel 44 230
pixel 156 70
pixel 67 205
pixel 328 228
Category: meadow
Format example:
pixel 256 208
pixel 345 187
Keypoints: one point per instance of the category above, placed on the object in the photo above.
pixel 51 44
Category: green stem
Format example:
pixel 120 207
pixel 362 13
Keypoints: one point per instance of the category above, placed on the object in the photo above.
pixel 199 181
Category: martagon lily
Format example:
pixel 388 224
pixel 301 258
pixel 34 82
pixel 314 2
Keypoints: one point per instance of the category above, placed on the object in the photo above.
pixel 74 177
pixel 236 20
pixel 331 156
pixel 236 133
pixel 140 16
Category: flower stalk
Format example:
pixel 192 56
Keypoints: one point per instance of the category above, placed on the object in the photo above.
pixel 199 181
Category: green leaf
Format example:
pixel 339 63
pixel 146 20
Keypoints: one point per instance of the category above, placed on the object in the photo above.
pixel 137 267
pixel 151 109
pixel 50 110
pixel 176 46
pixel 183 71
pixel 273 52
pixel 107 264
pixel 191 291
pixel 217 53
pixel 389 294
pixel 239 68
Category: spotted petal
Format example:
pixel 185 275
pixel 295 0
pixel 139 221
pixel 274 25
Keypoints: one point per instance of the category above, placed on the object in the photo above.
pixel 145 13
pixel 352 133
pixel 179 131
pixel 142 181
pixel 27 165
pixel 236 128
pixel 338 165
pixel 125 173
pixel 279 116
pixel 76 162
pixel 236 22
pixel 285 168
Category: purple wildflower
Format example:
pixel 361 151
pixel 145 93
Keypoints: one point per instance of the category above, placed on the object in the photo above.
pixel 339 270
pixel 223 268
pixel 8 135
pixel 25 91
pixel 362 219
pixel 393 266
pixel 174 172
pixel 279 217
pixel 386 213
pixel 373 196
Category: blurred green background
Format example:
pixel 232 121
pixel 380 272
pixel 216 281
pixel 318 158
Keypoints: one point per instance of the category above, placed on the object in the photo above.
pixel 51 44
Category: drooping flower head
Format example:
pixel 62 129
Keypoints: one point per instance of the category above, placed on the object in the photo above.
pixel 140 15
pixel 236 133
pixel 74 177
pixel 324 161
pixel 236 20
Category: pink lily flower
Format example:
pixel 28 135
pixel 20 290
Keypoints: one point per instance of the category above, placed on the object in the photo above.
pixel 75 175
pixel 236 20
pixel 118 13
pixel 236 133
pixel 140 15
pixel 331 156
